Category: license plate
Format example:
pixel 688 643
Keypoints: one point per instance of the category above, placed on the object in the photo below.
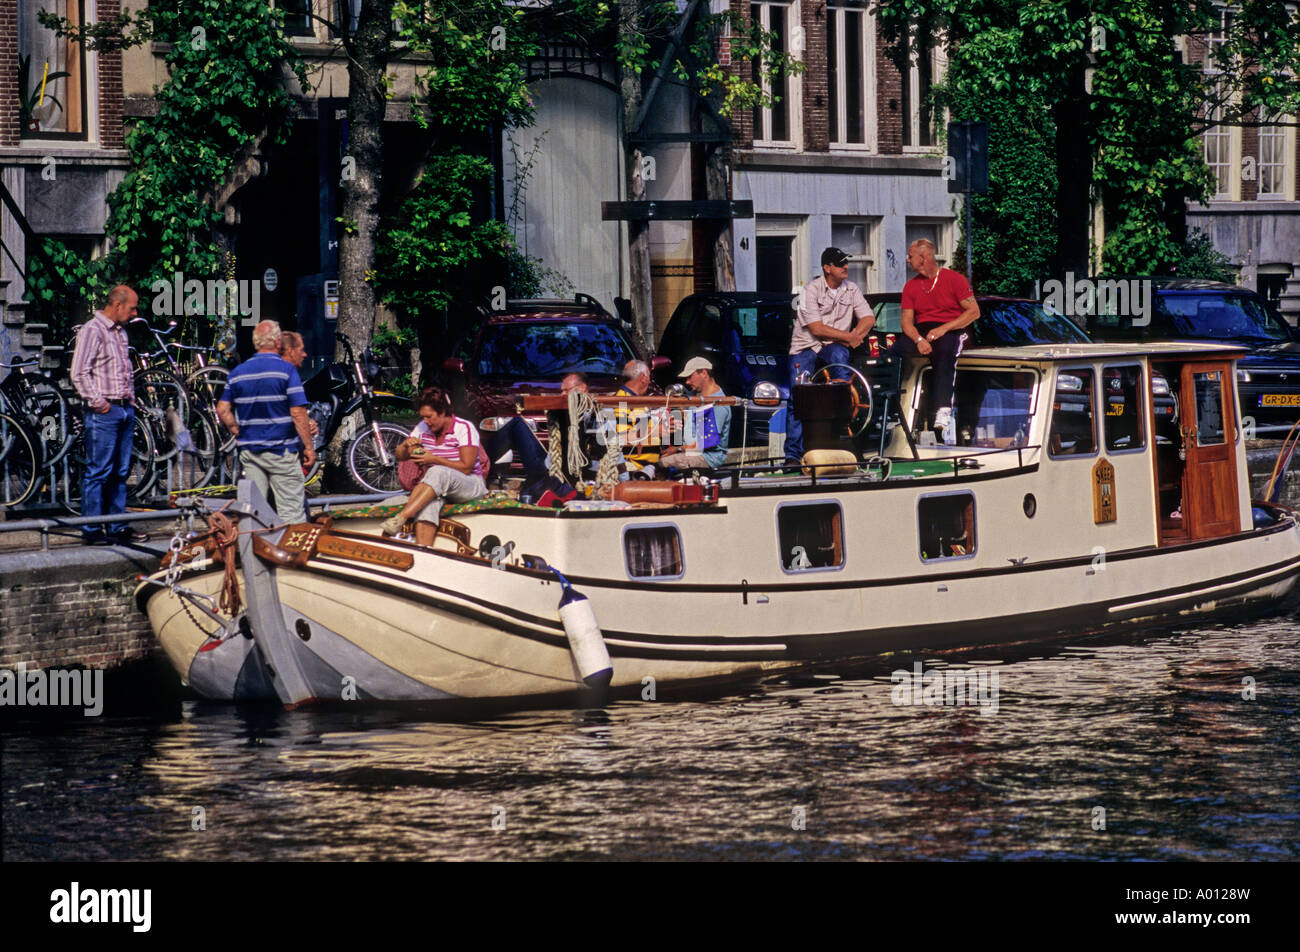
pixel 1279 399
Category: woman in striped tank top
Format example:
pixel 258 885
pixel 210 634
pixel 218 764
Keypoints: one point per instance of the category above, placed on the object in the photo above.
pixel 453 450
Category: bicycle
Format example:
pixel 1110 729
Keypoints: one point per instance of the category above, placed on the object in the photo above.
pixel 337 392
pixel 19 468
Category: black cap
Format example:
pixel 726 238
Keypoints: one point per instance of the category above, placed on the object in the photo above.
pixel 834 256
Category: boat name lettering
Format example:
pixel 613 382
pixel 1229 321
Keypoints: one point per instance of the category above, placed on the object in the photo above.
pixel 361 552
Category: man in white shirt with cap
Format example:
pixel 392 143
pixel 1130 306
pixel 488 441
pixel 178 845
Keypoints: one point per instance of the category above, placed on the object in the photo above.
pixel 834 318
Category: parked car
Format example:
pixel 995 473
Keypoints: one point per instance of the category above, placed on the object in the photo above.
pixel 1268 378
pixel 746 336
pixel 528 347
pixel 1003 322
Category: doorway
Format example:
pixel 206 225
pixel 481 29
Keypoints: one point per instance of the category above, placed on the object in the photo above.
pixel 1196 471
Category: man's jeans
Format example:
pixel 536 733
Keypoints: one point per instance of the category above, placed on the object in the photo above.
pixel 108 463
pixel 806 361
pixel 520 440
pixel 282 474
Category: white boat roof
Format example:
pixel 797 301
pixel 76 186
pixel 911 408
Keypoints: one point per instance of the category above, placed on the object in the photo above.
pixel 1061 352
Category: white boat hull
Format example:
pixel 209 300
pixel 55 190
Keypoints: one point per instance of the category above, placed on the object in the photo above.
pixel 383 634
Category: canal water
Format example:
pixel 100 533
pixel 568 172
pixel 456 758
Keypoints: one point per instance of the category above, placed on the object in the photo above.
pixel 1180 745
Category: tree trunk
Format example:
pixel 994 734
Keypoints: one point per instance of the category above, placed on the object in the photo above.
pixel 716 189
pixel 361 176
pixel 361 173
pixel 638 232
pixel 1074 179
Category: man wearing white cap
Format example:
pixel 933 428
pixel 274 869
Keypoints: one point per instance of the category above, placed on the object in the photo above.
pixel 698 374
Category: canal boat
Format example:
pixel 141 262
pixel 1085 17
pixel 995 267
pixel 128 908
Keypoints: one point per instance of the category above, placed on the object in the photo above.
pixel 1065 504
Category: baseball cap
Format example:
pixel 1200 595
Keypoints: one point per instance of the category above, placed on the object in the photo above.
pixel 694 364
pixel 834 256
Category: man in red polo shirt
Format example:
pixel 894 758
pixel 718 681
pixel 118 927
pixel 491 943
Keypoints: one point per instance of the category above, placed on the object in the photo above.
pixel 938 304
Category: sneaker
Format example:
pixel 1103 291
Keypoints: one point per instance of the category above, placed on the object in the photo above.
pixel 131 537
pixel 393 525
pixel 943 423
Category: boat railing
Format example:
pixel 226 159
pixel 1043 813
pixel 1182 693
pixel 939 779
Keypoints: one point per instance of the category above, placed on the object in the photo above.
pixel 963 458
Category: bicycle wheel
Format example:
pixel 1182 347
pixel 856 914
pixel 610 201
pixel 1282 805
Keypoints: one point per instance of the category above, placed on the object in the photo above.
pixel 365 464
pixel 144 461
pixel 206 386
pixel 18 463
pixel 196 464
pixel 55 416
pixel 159 388
pixel 143 473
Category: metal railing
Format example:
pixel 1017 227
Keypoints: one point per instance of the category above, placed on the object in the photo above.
pixel 187 510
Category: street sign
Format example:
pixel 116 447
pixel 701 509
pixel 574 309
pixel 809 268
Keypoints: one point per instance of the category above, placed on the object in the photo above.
pixel 968 147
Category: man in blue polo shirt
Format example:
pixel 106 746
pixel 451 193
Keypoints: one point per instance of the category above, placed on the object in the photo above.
pixel 264 406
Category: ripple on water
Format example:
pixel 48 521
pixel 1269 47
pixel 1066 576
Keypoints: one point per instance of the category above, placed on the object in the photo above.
pixel 1153 730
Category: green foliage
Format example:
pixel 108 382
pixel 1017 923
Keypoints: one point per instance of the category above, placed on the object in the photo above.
pixel 475 51
pixel 1145 108
pixel 1015 221
pixel 225 64
pixel 424 250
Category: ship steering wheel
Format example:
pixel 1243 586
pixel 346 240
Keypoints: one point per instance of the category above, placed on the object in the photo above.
pixel 859 393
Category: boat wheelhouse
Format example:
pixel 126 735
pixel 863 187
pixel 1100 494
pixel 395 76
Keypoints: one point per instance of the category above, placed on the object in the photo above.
pixel 1066 506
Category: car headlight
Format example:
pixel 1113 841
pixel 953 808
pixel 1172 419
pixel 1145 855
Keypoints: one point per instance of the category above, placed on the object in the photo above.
pixel 493 423
pixel 1243 376
pixel 766 394
pixel 1159 385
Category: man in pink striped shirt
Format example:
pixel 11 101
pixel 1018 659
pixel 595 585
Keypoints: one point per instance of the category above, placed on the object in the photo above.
pixel 101 372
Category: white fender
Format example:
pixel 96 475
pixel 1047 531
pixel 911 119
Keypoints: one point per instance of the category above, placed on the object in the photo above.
pixel 585 640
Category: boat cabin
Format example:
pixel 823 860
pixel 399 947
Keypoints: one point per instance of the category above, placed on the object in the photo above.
pixel 1143 437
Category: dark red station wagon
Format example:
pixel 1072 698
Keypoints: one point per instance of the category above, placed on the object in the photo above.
pixel 528 348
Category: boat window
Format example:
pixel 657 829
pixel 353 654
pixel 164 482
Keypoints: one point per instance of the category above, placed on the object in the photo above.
pixel 1074 432
pixel 1209 408
pixel 811 536
pixel 946 525
pixel 653 552
pixel 1123 419
pixel 993 406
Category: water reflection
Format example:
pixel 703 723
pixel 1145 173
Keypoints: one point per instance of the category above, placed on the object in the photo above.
pixel 1154 730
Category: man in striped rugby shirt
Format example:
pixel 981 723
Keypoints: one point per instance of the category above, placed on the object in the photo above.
pixel 264 406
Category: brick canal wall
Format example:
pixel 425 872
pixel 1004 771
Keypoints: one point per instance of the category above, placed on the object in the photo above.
pixel 75 605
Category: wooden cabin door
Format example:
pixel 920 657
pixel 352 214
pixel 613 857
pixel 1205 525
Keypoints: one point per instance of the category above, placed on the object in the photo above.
pixel 1209 430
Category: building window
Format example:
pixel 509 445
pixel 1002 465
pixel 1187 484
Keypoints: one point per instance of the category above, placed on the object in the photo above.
pixel 653 552
pixel 945 523
pixel 926 61
pixel 774 125
pixel 851 74
pixel 1074 430
pixel 936 232
pixel 51 73
pixel 779 258
pixel 1123 413
pixel 1273 161
pixel 811 536
pixel 1270 282
pixel 1218 155
pixel 857 237
pixel 297 17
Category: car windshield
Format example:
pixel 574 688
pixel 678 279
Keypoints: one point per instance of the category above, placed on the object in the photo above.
pixel 1218 316
pixel 531 349
pixel 763 329
pixel 1017 323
